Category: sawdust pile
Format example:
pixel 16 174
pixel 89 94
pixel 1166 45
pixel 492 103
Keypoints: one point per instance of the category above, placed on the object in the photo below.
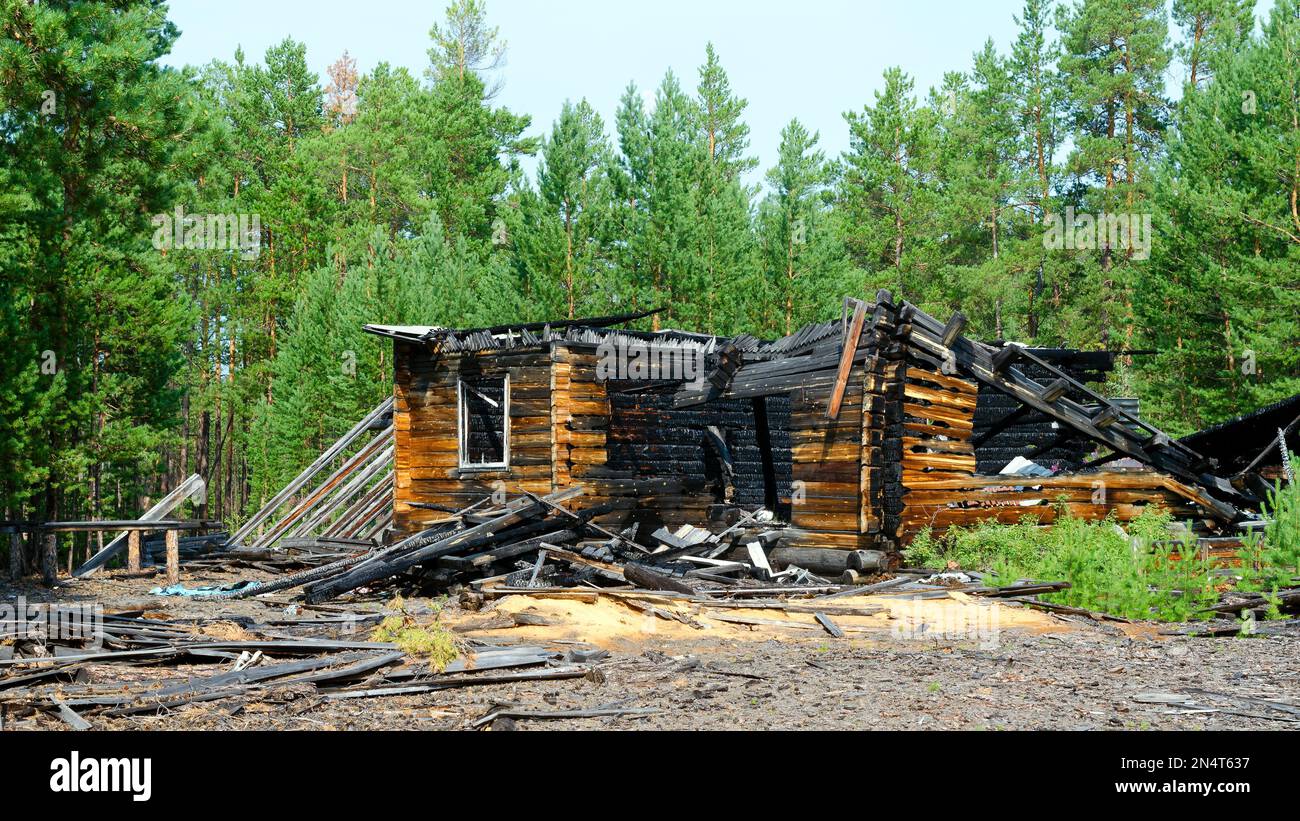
pixel 612 621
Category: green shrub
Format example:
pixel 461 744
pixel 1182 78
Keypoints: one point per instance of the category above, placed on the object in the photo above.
pixel 1130 574
pixel 1272 560
pixel 433 641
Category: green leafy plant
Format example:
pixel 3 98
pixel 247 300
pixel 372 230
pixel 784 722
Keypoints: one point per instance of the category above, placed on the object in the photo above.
pixel 1136 573
pixel 1272 559
pixel 1274 609
pixel 431 641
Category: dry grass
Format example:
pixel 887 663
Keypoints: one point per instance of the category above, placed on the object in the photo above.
pixel 226 631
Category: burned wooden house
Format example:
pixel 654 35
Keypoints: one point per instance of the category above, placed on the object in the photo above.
pixel 858 432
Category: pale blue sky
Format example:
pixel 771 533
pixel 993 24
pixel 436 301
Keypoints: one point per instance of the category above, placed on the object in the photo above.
pixel 811 59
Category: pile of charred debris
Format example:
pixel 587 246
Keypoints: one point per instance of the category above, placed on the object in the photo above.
pixel 303 651
pixel 535 545
pixel 533 541
pixel 300 651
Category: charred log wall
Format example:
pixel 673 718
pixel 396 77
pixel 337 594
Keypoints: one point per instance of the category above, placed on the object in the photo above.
pixel 641 470
pixel 648 438
pixel 937 411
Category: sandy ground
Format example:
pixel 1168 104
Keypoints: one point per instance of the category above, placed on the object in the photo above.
pixel 951 663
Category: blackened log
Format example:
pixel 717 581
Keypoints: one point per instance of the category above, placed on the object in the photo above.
pixel 508 551
pixel 953 329
pixel 1001 425
pixel 381 568
pixel 820 560
pixel 866 560
pixel 642 576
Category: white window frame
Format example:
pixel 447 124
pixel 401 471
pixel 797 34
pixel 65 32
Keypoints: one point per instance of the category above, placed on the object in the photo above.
pixel 462 427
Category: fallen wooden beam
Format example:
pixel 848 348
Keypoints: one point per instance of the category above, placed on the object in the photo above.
pixel 471 680
pixel 645 577
pixel 563 714
pixel 70 716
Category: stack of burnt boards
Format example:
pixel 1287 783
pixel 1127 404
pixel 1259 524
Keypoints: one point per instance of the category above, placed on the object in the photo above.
pixel 858 432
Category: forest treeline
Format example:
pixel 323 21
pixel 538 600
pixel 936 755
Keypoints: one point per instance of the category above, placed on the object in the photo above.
pixel 148 334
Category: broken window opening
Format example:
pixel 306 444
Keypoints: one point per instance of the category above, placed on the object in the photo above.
pixel 483 414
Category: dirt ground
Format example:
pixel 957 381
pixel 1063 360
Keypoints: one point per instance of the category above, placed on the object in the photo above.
pixel 947 663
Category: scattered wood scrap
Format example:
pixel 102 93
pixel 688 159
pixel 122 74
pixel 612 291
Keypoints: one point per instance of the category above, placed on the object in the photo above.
pixel 137 666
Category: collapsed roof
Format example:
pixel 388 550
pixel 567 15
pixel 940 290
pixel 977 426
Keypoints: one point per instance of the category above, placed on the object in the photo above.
pixel 1253 440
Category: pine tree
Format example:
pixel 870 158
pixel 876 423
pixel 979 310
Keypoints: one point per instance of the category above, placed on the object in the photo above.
pixel 1038 102
pixel 974 165
pixel 654 181
pixel 559 234
pixel 467 137
pixel 885 194
pixel 92 126
pixel 721 118
pixel 1115 55
pixel 806 268
pixel 1214 31
pixel 1036 87
pixel 374 165
pixel 466 44
pixel 727 266
pixel 1221 299
pixel 23 457
pixel 722 299
pixel 341 93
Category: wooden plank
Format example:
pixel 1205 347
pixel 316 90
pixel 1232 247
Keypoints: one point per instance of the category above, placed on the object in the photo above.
pixel 931 430
pixel 69 716
pixel 938 461
pixel 917 445
pixel 812 520
pixel 311 470
pixel 1118 479
pixel 810 537
pixel 831 627
pixel 948 399
pixel 846 359
pixel 942 380
pixel 847 451
pixel 961 422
